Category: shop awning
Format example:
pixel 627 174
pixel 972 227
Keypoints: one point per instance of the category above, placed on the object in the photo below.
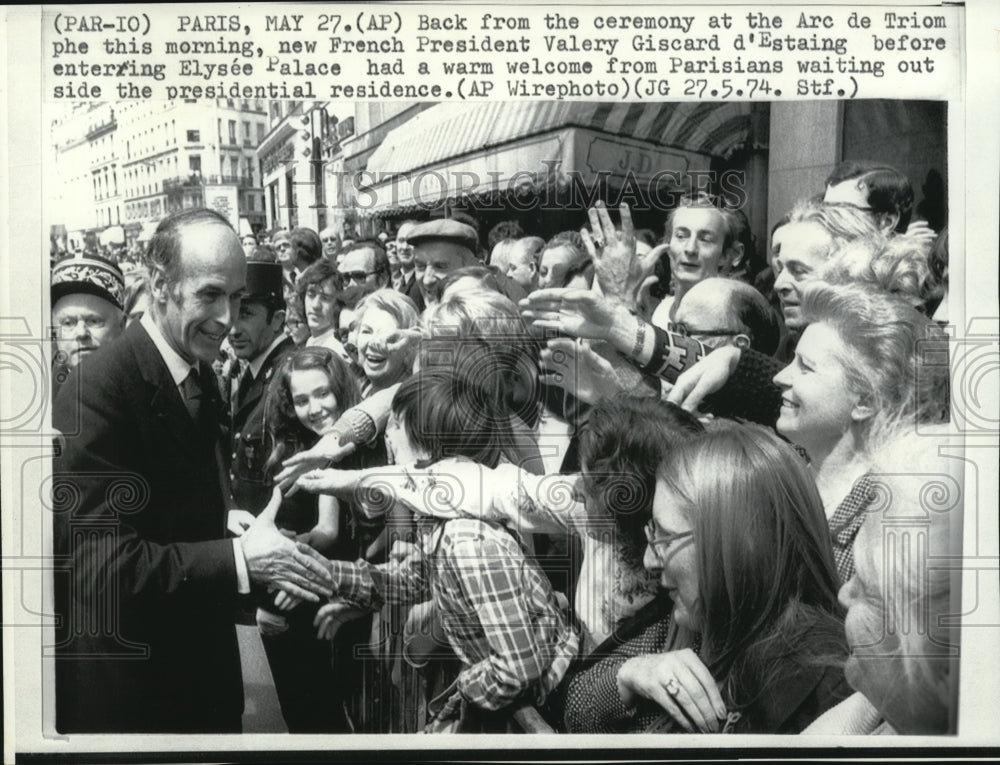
pixel 457 149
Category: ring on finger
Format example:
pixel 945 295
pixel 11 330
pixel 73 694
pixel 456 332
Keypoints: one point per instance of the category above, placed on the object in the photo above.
pixel 672 687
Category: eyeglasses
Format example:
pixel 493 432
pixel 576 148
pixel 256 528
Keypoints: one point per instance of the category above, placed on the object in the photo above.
pixel 685 331
pixel 356 276
pixel 330 239
pixel 656 542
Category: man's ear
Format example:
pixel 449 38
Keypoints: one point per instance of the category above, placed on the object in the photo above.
pixel 278 320
pixel 159 286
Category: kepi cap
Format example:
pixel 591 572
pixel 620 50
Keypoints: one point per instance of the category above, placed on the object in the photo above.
pixel 90 275
pixel 264 281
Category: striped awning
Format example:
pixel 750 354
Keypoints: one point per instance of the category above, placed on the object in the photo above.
pixel 452 130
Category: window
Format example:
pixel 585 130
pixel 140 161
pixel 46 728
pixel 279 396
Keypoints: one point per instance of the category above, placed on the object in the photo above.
pixel 194 163
pixel 234 164
pixel 232 131
pixel 194 136
pixel 260 132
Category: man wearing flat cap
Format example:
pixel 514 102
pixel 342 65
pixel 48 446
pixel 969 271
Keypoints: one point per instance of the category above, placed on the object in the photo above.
pixel 439 247
pixel 87 298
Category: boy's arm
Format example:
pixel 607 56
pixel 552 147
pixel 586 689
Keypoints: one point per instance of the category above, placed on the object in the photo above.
pixel 493 586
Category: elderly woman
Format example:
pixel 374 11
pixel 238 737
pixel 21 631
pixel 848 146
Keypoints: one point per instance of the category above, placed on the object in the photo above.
pixel 904 646
pixel 865 360
pixel 754 641
pixel 384 351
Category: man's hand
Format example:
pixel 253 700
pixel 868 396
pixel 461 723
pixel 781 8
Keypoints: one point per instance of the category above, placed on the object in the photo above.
pixel 238 521
pixel 620 271
pixel 273 559
pixel 575 312
pixel 708 376
pixel 578 370
pixel 328 449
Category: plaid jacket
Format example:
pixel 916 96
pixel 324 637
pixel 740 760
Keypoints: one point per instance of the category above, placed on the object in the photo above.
pixel 497 608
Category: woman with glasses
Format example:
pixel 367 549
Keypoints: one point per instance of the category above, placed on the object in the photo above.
pixel 754 641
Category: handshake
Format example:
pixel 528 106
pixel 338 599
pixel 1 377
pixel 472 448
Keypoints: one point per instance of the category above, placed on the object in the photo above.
pixel 278 562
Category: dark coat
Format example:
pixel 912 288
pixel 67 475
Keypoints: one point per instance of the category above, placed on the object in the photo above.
pixel 146 596
pixel 249 445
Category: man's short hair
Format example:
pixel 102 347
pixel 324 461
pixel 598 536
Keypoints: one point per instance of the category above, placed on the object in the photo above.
pixel 306 245
pixel 163 250
pixel 732 224
pixel 317 273
pixel 889 191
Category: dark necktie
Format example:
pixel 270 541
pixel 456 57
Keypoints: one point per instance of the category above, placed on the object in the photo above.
pixel 246 380
pixel 191 391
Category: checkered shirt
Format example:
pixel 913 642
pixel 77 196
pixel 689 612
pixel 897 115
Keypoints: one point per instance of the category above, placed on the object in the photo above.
pixel 497 608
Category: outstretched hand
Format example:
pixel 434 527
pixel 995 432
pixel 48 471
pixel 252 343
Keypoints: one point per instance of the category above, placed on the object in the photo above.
pixel 328 449
pixel 275 560
pixel 575 312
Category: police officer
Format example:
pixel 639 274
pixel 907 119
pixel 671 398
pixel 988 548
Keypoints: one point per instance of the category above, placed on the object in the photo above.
pixel 260 343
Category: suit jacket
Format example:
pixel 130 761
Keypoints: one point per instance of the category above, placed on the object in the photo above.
pixel 146 597
pixel 411 288
pixel 249 446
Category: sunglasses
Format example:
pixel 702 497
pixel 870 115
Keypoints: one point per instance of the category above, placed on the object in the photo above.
pixel 356 276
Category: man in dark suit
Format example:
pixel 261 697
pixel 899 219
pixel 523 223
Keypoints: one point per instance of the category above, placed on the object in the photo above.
pixel 146 640
pixel 409 284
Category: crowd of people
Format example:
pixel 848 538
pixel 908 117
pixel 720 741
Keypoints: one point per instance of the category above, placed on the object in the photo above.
pixel 603 482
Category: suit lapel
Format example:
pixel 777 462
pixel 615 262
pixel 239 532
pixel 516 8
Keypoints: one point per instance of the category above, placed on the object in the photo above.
pixel 165 399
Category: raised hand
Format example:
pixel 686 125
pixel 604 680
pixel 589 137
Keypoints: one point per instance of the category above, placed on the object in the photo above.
pixel 274 560
pixel 680 683
pixel 620 271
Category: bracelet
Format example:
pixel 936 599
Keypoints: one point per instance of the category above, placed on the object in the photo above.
pixel 640 338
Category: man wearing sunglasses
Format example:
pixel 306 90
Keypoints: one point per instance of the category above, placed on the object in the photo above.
pixel 365 262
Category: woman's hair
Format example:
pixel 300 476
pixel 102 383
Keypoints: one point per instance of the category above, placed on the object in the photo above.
pixel 622 443
pixel 898 265
pixel 400 307
pixel 445 413
pixel 844 223
pixel 919 502
pixel 898 358
pixel 481 332
pixel 766 573
pixel 288 435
